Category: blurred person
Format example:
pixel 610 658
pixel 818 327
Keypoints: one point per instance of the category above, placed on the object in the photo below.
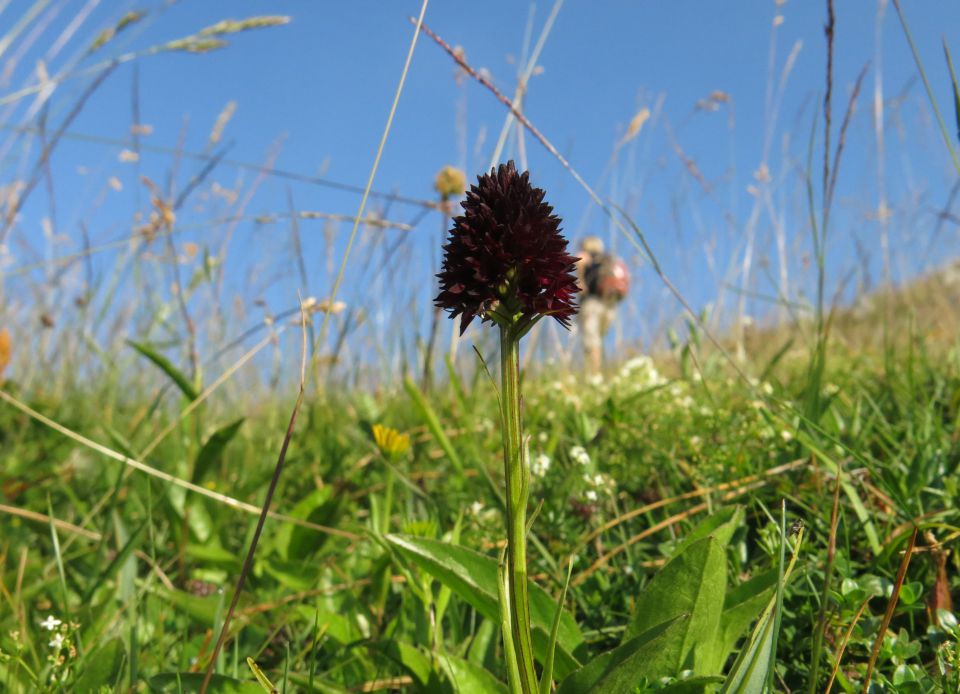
pixel 604 282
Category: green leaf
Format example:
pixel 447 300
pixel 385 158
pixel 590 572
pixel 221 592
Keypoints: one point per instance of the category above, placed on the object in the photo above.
pixel 296 543
pixel 429 417
pixel 161 362
pixel 741 609
pixel 752 667
pixel 546 677
pixel 694 685
pixel 117 561
pixel 337 624
pixel 198 518
pixel 469 678
pixel 473 577
pixel 620 670
pixel 212 450
pixel 203 609
pixel 692 583
pixel 104 667
pixel 191 681
pixel 415 661
pixel 720 526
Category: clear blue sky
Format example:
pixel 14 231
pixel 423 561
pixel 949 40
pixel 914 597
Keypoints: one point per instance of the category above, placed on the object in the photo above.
pixel 319 90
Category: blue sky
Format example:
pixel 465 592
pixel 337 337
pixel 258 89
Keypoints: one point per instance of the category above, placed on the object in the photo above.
pixel 316 93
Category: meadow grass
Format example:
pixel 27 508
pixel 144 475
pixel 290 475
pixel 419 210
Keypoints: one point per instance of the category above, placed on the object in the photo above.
pixel 138 571
pixel 823 450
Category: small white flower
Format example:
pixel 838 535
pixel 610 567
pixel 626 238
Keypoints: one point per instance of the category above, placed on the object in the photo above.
pixel 57 642
pixel 600 481
pixel 595 380
pixel 476 507
pixel 786 435
pixel 590 495
pixel 578 454
pixel 50 623
pixel 540 465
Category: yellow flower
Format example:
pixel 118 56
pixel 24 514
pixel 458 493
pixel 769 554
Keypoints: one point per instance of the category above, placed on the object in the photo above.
pixel 450 182
pixel 391 442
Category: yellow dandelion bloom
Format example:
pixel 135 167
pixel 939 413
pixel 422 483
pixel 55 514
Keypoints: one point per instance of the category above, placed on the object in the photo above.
pixel 391 442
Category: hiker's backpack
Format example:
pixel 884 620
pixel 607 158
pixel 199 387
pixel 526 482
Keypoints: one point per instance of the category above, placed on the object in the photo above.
pixel 607 277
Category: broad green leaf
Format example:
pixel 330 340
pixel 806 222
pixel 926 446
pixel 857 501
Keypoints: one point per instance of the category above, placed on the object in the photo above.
pixel 306 541
pixel 213 554
pixel 104 667
pixel 749 672
pixel 203 609
pixel 339 626
pixel 410 657
pixel 483 638
pixel 294 542
pixel 620 671
pixel 191 681
pixel 294 575
pixel 752 667
pixel 199 519
pixel 720 526
pixel 164 364
pixel 741 609
pixel 469 678
pixel 692 583
pixel 212 450
pixel 473 577
pixel 694 685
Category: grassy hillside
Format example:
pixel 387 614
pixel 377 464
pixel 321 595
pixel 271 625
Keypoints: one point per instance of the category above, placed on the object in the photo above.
pixel 112 577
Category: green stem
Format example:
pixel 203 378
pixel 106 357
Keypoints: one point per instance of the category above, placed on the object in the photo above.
pixel 518 490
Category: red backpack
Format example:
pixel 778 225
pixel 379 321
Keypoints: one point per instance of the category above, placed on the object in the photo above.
pixel 607 277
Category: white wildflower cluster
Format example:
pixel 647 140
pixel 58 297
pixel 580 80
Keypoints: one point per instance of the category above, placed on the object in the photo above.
pixel 540 465
pixel 600 482
pixel 62 650
pixel 568 392
pixel 482 514
pixel 579 455
pixel 681 398
pixel 639 373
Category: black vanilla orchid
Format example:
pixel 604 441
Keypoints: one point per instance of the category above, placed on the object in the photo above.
pixel 505 259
